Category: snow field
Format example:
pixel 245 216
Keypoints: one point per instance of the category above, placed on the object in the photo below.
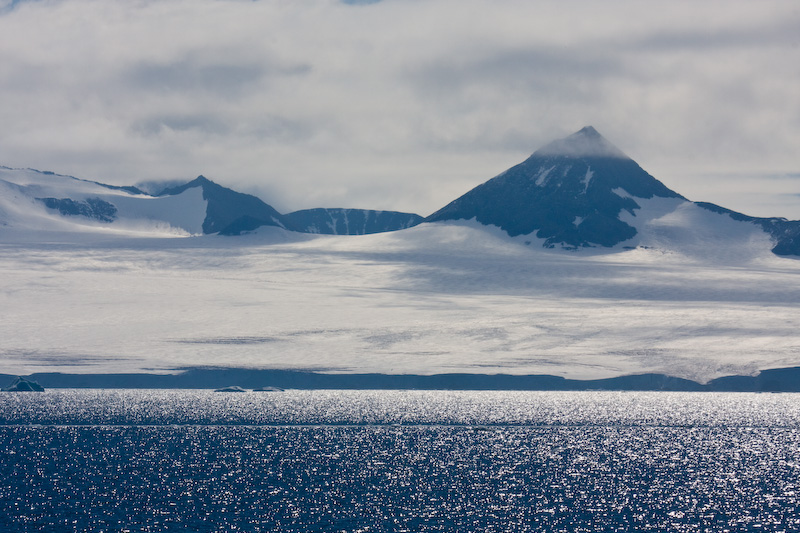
pixel 436 298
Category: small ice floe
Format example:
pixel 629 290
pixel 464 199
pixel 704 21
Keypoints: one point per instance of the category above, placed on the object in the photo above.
pixel 232 388
pixel 24 385
pixel 268 389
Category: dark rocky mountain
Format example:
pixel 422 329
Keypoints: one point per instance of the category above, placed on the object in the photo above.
pixel 230 212
pixel 570 192
pixel 350 221
pixel 233 213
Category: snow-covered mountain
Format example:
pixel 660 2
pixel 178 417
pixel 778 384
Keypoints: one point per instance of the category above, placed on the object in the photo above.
pixel 582 191
pixel 229 212
pixel 35 200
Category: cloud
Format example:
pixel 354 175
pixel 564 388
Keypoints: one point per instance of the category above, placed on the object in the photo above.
pixel 755 194
pixel 399 104
pixel 8 5
pixel 206 124
pixel 185 76
pixel 586 142
pixel 761 34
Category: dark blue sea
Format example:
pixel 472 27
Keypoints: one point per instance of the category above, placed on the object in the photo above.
pixel 370 461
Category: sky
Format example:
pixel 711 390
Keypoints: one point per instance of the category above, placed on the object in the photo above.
pixel 402 104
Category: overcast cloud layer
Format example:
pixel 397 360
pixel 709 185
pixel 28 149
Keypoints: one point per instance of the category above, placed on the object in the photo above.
pixel 402 104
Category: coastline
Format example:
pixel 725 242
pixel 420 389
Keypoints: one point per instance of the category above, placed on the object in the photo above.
pixel 772 380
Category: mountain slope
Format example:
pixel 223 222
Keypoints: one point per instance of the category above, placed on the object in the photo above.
pixel 785 233
pixel 570 192
pixel 576 192
pixel 350 221
pixel 45 201
pixel 582 191
pixel 32 199
pixel 229 212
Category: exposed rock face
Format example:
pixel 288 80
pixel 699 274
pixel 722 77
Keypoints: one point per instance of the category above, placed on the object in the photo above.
pixel 233 213
pixel 350 221
pixel 570 192
pixel 230 212
pixel 93 208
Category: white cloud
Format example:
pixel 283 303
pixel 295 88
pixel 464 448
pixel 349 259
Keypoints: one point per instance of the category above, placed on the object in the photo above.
pixel 397 104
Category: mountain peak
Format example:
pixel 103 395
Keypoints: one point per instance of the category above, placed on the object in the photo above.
pixel 570 193
pixel 586 142
pixel 200 181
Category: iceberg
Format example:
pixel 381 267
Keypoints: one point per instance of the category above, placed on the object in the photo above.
pixel 23 385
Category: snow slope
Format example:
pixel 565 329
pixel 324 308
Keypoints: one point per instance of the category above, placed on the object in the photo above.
pixel 443 297
pixel 22 206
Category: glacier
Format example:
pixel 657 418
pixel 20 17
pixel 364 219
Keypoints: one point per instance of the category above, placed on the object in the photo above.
pixel 436 298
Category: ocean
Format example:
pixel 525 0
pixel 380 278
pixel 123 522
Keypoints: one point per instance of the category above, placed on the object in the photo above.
pixel 416 461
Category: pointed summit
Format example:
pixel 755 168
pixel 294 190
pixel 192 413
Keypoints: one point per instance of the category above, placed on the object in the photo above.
pixel 584 143
pixel 229 212
pixel 569 193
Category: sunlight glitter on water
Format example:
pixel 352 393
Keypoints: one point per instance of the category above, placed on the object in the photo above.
pixel 314 407
pixel 399 461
